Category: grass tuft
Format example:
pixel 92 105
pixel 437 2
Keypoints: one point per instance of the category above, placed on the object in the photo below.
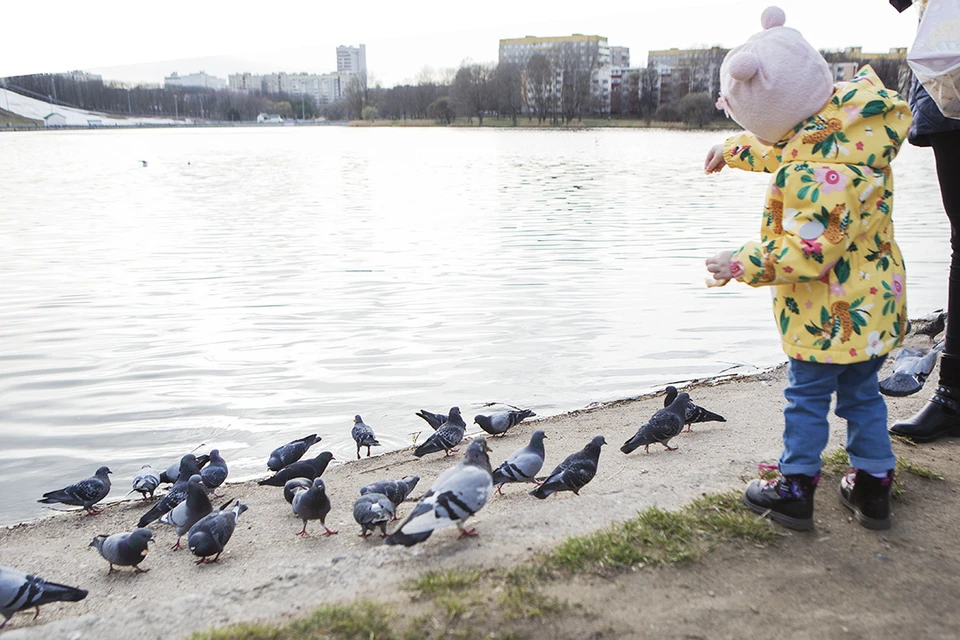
pixel 435 583
pixel 660 537
pixel 361 620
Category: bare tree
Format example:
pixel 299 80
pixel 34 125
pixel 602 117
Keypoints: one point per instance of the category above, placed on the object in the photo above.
pixel 508 90
pixel 697 109
pixel 649 93
pixel 472 90
pixel 540 76
pixel 356 95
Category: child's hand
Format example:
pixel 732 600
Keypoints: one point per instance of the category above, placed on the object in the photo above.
pixel 714 161
pixel 719 266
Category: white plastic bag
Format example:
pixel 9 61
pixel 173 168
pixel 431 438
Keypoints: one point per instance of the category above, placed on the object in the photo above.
pixel 935 54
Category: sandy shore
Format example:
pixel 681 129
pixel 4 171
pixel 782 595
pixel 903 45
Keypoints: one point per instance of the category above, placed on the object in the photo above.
pixel 268 573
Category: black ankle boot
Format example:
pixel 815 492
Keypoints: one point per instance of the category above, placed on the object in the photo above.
pixel 939 417
pixel 867 497
pixel 787 500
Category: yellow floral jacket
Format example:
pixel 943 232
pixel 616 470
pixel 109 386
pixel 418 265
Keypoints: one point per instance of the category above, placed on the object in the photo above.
pixel 827 234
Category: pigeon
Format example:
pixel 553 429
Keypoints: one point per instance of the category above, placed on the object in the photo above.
pixel 177 493
pixel 363 435
pixel 433 419
pixel 287 454
pixel 396 490
pixel 313 504
pixel 911 367
pixel 85 493
pixel 308 469
pixel 20 591
pixel 372 510
pixel 523 464
pixel 188 513
pixel 573 473
pixel 172 473
pixel 496 424
pixel 446 437
pixel 146 481
pixel 295 485
pixel 124 549
pixel 456 495
pixel 931 325
pixel 661 427
pixel 214 473
pixel 212 532
pixel 693 413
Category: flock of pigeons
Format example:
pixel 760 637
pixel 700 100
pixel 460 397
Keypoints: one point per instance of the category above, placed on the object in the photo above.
pixel 455 495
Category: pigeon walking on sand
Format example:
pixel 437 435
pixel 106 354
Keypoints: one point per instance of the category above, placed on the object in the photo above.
pixel 523 464
pixel 190 511
pixel 456 495
pixel 146 482
pixel 20 591
pixel 372 510
pixel 309 469
pixel 313 504
pixel 911 368
pixel 295 485
pixel 446 437
pixel 210 535
pixel 693 413
pixel 215 473
pixel 287 454
pixel 124 549
pixel 497 424
pixel 177 493
pixel 396 490
pixel 661 427
pixel 574 472
pixel 363 435
pixel 432 419
pixel 85 493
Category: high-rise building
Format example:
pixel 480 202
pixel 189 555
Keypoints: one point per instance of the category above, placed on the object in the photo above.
pixel 620 57
pixel 200 79
pixel 352 59
pixel 684 71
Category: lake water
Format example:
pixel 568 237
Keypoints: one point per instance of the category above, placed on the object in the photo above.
pixel 251 286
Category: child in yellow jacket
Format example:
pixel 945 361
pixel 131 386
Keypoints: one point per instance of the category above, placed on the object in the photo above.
pixel 827 247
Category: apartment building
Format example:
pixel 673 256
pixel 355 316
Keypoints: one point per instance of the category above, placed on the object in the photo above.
pixel 200 80
pixel 352 59
pixel 683 71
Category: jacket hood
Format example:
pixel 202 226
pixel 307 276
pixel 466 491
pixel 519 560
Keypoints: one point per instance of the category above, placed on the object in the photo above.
pixel 863 123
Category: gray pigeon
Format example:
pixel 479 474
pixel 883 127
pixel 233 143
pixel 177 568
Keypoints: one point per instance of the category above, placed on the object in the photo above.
pixel 215 473
pixel 309 469
pixel 456 495
pixel 694 413
pixel 124 549
pixel 172 473
pixel 20 591
pixel 574 472
pixel 146 482
pixel 363 435
pixel 661 427
pixel 446 437
pixel 396 490
pixel 313 504
pixel 210 535
pixel 188 513
pixel 433 419
pixel 372 510
pixel 295 485
pixel 931 325
pixel 289 453
pixel 85 493
pixel 177 493
pixel 523 464
pixel 497 424
pixel 911 367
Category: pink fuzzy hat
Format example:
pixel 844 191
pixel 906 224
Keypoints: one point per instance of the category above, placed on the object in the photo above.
pixel 775 80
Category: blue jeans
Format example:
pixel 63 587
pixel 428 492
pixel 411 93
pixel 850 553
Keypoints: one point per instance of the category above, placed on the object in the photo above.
pixel 859 402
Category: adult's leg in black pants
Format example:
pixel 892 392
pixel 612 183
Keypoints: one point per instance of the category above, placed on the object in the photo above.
pixel 941 415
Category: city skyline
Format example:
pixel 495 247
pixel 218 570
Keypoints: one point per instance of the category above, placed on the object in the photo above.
pixel 208 37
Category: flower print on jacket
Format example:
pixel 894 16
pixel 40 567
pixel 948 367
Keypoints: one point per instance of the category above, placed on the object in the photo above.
pixel 827 232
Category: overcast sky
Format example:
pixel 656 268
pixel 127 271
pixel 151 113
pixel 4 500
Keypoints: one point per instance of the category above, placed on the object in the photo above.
pixel 401 38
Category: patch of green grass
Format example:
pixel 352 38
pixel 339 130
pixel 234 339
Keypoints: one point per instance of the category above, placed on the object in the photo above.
pixel 904 465
pixel 435 583
pixel 659 537
pixel 835 462
pixel 361 620
pixel 521 597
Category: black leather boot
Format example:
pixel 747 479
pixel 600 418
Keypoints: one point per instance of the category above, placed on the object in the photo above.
pixel 939 417
pixel 787 500
pixel 867 497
